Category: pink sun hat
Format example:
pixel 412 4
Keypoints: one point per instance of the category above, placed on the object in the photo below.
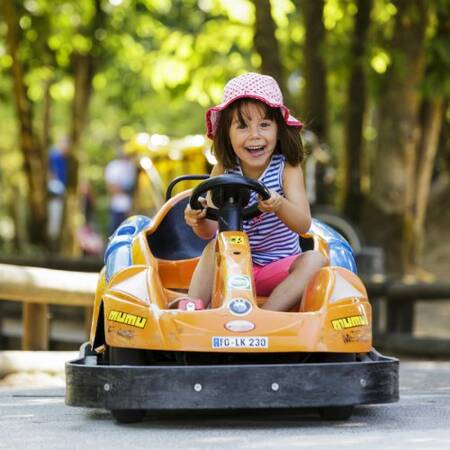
pixel 250 85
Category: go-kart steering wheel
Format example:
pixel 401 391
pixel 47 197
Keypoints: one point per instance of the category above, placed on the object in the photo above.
pixel 231 189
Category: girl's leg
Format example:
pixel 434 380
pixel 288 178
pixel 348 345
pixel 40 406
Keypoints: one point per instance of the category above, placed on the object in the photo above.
pixel 202 278
pixel 290 290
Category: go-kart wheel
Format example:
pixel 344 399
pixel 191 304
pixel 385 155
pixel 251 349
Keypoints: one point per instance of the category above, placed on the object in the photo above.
pixel 223 187
pixel 127 357
pixel 128 415
pixel 336 412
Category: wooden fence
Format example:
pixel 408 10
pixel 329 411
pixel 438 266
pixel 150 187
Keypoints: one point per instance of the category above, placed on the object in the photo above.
pixel 37 288
pixel 399 316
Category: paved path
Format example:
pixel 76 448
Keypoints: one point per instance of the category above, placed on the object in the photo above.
pixel 38 419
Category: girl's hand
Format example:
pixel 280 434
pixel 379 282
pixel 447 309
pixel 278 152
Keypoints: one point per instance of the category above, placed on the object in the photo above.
pixel 272 204
pixel 194 217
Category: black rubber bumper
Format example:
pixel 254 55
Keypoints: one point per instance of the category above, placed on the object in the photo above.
pixel 374 380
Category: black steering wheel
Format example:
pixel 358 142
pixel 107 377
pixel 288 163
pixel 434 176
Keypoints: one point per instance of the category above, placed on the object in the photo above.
pixel 229 189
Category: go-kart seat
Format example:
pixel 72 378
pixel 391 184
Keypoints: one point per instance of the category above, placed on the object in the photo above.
pixel 174 239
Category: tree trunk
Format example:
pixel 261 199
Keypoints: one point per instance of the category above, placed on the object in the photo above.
pixel 444 142
pixel 356 108
pixel 433 118
pixel 266 43
pixel 34 156
pixel 315 107
pixel 84 70
pixel 315 101
pixel 46 116
pixel 83 74
pixel 389 214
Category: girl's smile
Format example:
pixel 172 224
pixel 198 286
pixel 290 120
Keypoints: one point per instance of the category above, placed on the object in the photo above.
pixel 253 138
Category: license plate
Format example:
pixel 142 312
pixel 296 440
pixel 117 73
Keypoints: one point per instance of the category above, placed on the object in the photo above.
pixel 240 342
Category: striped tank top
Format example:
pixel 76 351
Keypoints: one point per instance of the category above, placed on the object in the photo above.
pixel 270 239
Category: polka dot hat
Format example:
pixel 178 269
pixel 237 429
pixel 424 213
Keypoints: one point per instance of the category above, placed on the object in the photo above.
pixel 250 85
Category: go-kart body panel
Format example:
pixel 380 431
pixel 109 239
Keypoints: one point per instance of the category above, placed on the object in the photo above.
pixel 335 316
pixel 342 328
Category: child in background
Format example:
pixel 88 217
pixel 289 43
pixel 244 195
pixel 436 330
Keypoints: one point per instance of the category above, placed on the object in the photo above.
pixel 254 135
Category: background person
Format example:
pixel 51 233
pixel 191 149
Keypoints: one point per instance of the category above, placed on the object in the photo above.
pixel 120 178
pixel 57 183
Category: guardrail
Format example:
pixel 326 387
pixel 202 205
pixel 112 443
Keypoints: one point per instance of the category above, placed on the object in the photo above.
pixel 398 316
pixel 37 288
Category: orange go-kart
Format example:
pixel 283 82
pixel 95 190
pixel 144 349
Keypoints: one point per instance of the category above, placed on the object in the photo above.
pixel 152 348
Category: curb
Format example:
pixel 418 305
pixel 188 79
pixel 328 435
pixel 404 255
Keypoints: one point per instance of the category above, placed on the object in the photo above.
pixel 38 361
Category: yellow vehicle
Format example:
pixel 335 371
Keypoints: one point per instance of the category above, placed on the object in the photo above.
pixel 159 159
pixel 151 348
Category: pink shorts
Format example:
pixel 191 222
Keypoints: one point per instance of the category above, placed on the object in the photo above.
pixel 269 276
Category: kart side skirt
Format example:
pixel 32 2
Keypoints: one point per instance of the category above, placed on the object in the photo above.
pixel 374 380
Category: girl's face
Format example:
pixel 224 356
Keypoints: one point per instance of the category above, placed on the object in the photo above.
pixel 253 138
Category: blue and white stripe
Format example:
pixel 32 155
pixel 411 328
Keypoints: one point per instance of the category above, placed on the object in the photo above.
pixel 270 239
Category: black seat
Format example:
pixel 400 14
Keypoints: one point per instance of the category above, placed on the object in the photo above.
pixel 174 239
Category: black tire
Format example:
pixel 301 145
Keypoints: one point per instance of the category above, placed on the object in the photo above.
pixel 128 415
pixel 127 357
pixel 336 412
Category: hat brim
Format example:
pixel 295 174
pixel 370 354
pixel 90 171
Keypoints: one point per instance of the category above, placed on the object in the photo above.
pixel 213 113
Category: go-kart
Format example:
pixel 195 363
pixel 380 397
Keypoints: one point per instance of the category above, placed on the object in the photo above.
pixel 152 348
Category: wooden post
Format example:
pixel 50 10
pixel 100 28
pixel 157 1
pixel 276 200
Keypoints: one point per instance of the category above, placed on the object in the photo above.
pixel 1 326
pixel 400 317
pixel 400 313
pixel 37 288
pixel 35 326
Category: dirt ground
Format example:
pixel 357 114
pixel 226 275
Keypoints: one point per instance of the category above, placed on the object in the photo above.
pixel 433 318
pixel 437 247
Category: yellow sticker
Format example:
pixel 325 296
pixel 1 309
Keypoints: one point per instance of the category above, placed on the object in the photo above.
pixel 127 319
pixel 236 239
pixel 349 322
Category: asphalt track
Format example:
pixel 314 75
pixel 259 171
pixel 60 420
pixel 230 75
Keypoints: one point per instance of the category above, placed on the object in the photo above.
pixel 38 419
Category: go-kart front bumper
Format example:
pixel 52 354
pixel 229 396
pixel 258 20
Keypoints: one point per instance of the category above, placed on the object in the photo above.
pixel 184 387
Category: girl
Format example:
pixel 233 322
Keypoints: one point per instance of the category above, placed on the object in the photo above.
pixel 254 135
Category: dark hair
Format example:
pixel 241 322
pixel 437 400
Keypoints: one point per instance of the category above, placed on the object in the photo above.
pixel 289 141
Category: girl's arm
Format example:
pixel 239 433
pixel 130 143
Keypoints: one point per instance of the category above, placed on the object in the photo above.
pixel 204 228
pixel 293 209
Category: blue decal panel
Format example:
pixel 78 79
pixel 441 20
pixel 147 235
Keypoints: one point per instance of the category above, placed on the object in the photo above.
pixel 118 251
pixel 341 253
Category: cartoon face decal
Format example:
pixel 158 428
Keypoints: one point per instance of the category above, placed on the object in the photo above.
pixel 236 240
pixel 239 306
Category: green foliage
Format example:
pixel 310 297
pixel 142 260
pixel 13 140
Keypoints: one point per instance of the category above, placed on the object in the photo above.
pixel 160 63
pixel 437 81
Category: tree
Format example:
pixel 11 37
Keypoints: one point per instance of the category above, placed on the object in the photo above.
pixel 316 99
pixel 432 117
pixel 266 44
pixel 355 115
pixel 34 156
pixel 389 213
pixel 315 96
pixel 83 66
